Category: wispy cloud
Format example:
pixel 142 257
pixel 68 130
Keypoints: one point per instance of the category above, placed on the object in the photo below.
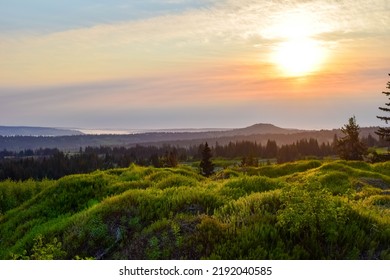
pixel 181 52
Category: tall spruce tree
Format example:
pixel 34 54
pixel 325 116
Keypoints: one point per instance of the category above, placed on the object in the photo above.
pixel 384 132
pixel 207 167
pixel 350 147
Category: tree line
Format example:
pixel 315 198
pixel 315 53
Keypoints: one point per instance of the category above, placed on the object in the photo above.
pixel 54 164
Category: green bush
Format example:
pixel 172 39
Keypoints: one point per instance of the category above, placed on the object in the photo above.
pixel 13 194
pixel 42 251
pixel 274 171
pixel 238 187
pixel 302 210
pixel 175 180
pixel 336 182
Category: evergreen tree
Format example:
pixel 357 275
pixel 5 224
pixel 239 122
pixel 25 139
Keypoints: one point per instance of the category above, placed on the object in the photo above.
pixel 155 160
pixel 207 167
pixel 350 147
pixel 249 161
pixel 170 159
pixel 334 143
pixel 287 153
pixel 384 132
pixel 271 149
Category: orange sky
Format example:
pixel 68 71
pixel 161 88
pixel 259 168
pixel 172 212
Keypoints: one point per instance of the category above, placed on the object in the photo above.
pixel 164 64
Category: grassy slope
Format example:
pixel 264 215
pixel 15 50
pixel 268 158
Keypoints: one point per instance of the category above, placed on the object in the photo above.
pixel 302 210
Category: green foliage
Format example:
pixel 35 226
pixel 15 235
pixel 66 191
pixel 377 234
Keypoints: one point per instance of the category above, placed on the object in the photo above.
pixel 384 132
pixel 226 174
pixel 207 167
pixel 42 251
pixel 224 163
pixel 350 147
pixel 241 186
pixel 251 209
pixel 275 171
pixel 303 210
pixel 173 180
pixel 383 168
pixel 313 211
pixel 13 194
pixel 336 182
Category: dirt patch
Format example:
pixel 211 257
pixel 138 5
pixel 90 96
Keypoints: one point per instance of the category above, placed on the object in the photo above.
pixel 377 183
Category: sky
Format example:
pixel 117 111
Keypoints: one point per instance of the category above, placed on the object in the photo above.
pixel 145 64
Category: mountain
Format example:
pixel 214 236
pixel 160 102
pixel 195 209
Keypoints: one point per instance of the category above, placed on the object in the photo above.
pixel 262 128
pixel 71 140
pixel 36 131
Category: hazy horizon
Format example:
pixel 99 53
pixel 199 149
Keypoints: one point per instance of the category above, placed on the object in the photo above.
pixel 176 64
pixel 135 130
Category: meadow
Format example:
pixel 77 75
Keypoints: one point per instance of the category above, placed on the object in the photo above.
pixel 308 209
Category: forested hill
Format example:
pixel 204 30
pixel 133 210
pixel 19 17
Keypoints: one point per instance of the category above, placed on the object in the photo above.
pixel 260 133
pixel 36 131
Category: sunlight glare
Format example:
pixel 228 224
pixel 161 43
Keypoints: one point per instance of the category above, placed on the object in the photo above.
pixel 298 57
pixel 295 52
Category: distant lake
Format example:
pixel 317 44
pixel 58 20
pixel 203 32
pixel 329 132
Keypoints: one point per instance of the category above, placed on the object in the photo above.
pixel 138 131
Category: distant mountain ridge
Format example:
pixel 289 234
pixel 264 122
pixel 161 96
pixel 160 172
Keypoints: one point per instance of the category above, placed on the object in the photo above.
pixel 263 128
pixel 36 131
pixel 260 128
pixel 72 140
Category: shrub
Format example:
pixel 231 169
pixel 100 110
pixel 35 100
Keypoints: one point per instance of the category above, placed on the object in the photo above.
pixel 336 182
pixel 176 180
pixel 42 251
pixel 274 171
pixel 241 186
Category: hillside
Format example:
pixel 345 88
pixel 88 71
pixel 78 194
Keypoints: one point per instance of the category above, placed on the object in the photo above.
pixel 260 133
pixel 261 128
pixel 36 131
pixel 301 210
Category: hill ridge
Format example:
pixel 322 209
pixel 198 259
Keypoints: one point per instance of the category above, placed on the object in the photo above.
pixel 36 131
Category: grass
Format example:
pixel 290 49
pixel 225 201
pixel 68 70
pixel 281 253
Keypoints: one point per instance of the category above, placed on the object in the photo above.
pixel 303 210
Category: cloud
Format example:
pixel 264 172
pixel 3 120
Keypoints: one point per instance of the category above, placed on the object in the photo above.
pixel 183 54
pixel 43 17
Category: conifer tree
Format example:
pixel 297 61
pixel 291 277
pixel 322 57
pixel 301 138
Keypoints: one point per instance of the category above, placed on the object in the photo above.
pixel 207 167
pixel 170 159
pixel 271 149
pixel 350 147
pixel 384 132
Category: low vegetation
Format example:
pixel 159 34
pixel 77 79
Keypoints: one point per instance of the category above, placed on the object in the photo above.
pixel 303 210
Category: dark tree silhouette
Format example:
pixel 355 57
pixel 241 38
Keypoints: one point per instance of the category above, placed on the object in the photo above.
pixel 350 147
pixel 271 149
pixel 207 167
pixel 170 159
pixel 384 132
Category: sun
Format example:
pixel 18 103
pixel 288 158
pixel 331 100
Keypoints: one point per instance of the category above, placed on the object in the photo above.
pixel 295 49
pixel 298 57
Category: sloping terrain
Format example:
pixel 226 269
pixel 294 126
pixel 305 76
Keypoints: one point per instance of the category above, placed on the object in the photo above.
pixel 301 210
pixel 260 133
pixel 36 131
